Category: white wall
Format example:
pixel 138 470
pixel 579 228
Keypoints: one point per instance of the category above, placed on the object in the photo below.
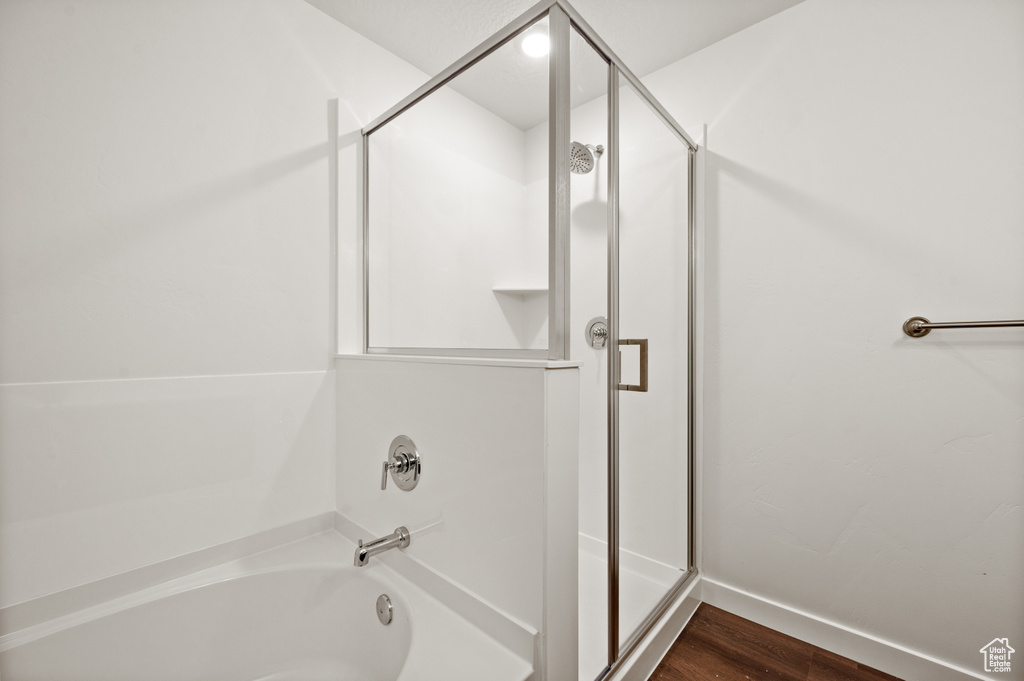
pixel 165 381
pixel 865 164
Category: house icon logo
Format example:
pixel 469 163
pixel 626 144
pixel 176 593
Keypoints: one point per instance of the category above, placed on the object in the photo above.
pixel 997 655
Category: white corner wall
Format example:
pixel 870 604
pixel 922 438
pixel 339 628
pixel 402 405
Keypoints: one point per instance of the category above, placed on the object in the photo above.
pixel 166 380
pixel 865 164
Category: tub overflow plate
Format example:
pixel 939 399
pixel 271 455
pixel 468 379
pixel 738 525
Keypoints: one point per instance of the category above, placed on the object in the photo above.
pixel 385 611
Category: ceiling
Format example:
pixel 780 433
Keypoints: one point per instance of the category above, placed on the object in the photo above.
pixel 645 34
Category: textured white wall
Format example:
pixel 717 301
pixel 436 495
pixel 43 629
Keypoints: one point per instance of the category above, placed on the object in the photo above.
pixel 165 381
pixel 865 165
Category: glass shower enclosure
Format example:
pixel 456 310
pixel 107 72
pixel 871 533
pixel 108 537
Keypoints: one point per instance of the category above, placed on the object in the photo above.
pixel 538 203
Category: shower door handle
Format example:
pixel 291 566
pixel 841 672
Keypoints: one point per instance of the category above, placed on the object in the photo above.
pixel 642 387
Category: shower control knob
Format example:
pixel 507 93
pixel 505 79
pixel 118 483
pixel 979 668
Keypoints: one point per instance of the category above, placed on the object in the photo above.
pixel 597 332
pixel 403 463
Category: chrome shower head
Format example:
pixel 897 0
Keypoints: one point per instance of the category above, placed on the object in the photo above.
pixel 583 156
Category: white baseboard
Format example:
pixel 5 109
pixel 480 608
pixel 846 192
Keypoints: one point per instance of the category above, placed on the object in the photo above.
pixel 886 656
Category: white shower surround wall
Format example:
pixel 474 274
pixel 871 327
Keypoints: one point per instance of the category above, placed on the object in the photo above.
pixel 449 224
pixel 166 378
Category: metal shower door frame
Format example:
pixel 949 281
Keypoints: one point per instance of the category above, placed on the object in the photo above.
pixel 562 19
pixel 618 654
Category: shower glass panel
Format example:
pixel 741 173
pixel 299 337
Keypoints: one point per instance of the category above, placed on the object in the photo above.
pixel 457 224
pixel 653 294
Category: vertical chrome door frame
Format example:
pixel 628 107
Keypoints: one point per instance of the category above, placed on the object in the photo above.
pixel 612 156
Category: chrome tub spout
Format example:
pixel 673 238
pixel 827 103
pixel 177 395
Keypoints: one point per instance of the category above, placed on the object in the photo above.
pixel 399 539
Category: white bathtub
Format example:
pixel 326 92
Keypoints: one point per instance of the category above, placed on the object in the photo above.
pixel 298 612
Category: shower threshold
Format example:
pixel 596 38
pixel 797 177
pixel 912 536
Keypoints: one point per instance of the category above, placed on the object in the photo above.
pixel 642 584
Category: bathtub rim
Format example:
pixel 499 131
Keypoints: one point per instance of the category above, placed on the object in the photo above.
pixel 328 555
pixel 29 620
pixel 203 579
pixel 47 607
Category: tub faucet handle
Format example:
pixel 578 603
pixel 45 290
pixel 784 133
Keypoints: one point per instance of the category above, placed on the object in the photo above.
pixel 403 463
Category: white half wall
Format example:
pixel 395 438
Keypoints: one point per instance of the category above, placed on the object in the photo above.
pixel 495 510
pixel 166 350
pixel 865 164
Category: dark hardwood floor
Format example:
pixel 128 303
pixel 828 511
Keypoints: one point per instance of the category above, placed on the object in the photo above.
pixel 719 646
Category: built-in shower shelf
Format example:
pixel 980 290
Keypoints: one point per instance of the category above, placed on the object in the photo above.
pixel 525 291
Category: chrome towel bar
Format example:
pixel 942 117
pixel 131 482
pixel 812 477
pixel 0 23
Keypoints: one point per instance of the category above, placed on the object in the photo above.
pixel 915 327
